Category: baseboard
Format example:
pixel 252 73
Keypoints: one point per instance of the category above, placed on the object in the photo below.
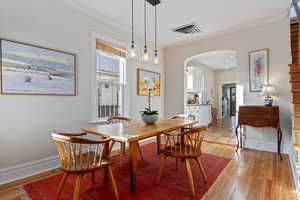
pixel 28 169
pixel 270 147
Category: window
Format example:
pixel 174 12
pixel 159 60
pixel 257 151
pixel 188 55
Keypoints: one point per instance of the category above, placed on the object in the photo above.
pixel 110 84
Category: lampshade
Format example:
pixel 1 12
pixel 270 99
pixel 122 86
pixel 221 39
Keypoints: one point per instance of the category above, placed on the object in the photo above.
pixel 268 90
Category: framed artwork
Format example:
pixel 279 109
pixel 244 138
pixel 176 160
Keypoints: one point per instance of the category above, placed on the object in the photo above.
pixel 32 70
pixel 143 75
pixel 258 69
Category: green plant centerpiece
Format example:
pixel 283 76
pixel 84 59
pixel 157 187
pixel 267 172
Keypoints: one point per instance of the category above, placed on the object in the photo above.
pixel 149 116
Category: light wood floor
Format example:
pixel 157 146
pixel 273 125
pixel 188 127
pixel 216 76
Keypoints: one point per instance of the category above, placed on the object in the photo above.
pixel 251 175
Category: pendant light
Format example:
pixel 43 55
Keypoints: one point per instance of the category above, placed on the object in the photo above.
pixel 156 58
pixel 145 56
pixel 132 51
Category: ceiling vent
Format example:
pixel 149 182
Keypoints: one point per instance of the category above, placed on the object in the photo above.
pixel 188 29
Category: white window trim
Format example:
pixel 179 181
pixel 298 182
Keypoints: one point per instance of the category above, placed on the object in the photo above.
pixel 93 107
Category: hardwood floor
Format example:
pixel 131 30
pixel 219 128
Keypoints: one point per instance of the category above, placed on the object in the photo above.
pixel 251 175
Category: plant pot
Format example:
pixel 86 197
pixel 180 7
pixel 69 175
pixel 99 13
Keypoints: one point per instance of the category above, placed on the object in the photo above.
pixel 150 119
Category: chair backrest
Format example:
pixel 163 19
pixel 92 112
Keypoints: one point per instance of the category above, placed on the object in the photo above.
pixel 117 119
pixel 184 144
pixel 80 155
pixel 184 117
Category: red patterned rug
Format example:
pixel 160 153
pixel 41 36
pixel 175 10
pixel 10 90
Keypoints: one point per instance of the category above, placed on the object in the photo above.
pixel 174 184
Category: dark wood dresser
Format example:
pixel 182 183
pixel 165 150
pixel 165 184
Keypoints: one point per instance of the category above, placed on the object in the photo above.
pixel 258 116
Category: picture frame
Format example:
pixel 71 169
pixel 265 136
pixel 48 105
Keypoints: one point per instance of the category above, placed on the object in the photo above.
pixel 142 74
pixel 28 69
pixel 258 69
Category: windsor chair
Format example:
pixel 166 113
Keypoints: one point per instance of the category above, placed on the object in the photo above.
pixel 183 145
pixel 80 156
pixel 184 117
pixel 117 119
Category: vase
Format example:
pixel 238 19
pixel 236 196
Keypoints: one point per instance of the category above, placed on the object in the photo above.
pixel 149 119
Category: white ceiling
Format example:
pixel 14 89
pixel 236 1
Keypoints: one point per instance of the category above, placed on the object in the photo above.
pixel 212 16
pixel 217 59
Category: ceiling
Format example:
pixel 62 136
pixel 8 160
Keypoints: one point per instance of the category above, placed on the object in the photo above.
pixel 217 60
pixel 212 16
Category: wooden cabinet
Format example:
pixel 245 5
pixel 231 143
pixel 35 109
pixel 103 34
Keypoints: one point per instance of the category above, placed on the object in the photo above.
pixel 201 112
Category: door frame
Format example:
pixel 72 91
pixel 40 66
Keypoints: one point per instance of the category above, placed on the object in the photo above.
pixel 220 96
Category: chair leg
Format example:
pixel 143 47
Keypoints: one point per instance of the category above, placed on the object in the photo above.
pixel 190 175
pixel 140 151
pixel 93 178
pixel 161 168
pixel 61 185
pixel 201 169
pixel 113 183
pixel 122 152
pixel 77 187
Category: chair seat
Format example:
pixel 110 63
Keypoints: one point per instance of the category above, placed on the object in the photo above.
pixel 186 151
pixel 85 164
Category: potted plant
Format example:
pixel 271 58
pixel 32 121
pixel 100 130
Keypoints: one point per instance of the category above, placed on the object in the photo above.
pixel 149 116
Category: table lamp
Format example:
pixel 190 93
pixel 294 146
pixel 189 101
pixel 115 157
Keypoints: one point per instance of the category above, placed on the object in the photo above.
pixel 267 91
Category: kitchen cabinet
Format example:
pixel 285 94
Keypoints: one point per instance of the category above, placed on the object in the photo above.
pixel 201 112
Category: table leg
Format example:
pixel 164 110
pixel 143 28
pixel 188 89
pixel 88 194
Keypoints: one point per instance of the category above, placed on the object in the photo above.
pixel 133 148
pixel 241 136
pixel 279 139
pixel 237 137
pixel 158 144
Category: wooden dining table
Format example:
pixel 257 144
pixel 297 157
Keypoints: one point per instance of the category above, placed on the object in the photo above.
pixel 132 132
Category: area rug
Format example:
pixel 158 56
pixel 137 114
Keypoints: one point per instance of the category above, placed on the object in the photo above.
pixel 174 184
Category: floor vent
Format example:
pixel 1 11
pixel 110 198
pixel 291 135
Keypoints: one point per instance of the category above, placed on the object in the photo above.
pixel 188 29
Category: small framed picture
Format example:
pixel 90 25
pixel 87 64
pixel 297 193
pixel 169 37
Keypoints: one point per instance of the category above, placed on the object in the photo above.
pixel 143 75
pixel 258 69
pixel 33 70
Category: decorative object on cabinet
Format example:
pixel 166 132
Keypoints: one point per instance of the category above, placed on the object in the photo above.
pixel 259 116
pixel 143 75
pixel 33 70
pixel 268 90
pixel 258 69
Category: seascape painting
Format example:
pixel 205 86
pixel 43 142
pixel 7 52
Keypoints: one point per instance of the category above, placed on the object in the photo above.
pixel 142 86
pixel 258 69
pixel 33 70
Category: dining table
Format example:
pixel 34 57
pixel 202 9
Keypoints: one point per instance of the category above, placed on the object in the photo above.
pixel 132 132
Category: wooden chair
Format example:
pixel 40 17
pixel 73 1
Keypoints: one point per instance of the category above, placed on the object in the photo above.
pixel 183 145
pixel 214 115
pixel 117 119
pixel 184 117
pixel 80 156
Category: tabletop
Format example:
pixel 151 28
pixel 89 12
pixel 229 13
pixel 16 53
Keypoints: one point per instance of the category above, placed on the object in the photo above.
pixel 136 130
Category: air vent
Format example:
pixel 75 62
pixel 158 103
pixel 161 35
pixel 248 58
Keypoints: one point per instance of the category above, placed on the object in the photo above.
pixel 188 29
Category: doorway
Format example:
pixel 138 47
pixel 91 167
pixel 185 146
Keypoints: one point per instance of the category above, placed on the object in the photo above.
pixel 228 100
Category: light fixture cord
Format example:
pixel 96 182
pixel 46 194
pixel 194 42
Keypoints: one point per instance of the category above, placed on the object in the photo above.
pixel 132 22
pixel 145 20
pixel 155 29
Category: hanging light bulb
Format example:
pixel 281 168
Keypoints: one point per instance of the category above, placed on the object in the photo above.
pixel 132 50
pixel 146 56
pixel 156 58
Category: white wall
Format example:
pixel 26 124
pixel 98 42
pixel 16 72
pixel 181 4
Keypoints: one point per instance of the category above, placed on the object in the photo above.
pixel 222 77
pixel 27 121
pixel 276 37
